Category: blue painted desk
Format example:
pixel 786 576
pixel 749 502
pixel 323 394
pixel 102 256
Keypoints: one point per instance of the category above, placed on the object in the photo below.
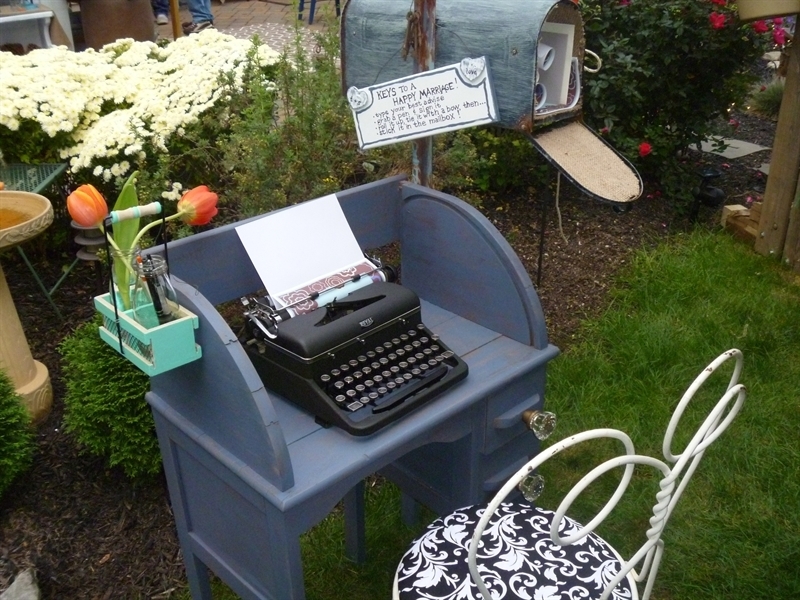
pixel 248 472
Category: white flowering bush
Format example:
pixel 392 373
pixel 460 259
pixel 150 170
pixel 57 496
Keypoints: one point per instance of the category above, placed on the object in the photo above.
pixel 109 112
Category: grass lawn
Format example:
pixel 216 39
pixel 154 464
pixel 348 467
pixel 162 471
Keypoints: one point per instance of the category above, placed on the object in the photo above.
pixel 736 531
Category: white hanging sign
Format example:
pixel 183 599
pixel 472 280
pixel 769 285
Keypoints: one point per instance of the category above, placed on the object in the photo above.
pixel 445 99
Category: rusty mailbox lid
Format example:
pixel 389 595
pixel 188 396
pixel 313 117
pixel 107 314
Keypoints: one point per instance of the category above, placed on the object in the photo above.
pixel 535 53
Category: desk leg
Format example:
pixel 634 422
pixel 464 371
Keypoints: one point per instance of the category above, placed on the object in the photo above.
pixel 354 527
pixel 197 575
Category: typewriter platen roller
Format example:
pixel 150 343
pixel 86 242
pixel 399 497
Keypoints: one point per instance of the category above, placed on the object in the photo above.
pixel 358 363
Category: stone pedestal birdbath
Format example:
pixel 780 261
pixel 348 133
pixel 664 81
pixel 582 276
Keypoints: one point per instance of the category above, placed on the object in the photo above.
pixel 23 215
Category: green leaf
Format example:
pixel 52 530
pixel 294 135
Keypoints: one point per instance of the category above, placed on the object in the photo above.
pixel 124 234
pixel 125 231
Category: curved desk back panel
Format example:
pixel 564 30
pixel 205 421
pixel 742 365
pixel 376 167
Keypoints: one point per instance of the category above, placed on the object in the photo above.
pixel 455 258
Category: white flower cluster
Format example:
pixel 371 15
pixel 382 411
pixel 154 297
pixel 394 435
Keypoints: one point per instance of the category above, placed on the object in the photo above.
pixel 155 92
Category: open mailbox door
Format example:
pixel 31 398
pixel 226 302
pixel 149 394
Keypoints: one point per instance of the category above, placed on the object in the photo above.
pixel 535 55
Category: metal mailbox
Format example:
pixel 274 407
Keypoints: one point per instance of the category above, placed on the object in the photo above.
pixel 535 52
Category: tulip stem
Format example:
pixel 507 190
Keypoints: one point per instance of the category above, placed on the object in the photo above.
pixel 149 226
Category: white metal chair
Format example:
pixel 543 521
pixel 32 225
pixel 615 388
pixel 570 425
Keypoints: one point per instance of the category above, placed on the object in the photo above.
pixel 514 550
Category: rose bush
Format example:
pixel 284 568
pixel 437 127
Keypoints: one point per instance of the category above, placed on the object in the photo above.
pixel 669 68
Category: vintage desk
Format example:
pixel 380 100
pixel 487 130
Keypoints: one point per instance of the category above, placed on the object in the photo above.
pixel 248 472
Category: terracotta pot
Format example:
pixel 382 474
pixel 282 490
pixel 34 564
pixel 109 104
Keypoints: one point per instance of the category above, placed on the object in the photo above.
pixel 753 10
pixel 106 21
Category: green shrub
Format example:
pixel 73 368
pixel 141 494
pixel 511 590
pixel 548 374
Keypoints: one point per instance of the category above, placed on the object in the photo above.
pixel 105 407
pixel 667 72
pixel 16 434
pixel 766 100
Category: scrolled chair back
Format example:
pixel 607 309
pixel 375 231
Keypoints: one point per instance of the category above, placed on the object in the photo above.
pixel 523 546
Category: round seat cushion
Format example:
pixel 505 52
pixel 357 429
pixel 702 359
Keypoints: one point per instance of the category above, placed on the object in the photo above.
pixel 516 558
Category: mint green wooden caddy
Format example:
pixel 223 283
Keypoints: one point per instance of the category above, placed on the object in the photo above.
pixel 153 350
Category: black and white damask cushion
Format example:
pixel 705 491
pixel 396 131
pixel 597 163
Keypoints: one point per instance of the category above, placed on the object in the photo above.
pixel 517 559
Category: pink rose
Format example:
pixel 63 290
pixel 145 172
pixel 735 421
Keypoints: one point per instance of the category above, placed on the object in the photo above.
pixel 717 20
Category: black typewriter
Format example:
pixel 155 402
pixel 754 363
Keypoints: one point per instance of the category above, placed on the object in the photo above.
pixel 358 363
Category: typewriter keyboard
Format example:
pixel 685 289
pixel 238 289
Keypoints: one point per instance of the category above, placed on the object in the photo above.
pixel 389 373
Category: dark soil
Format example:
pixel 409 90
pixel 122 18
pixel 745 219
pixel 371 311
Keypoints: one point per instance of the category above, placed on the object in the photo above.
pixel 90 533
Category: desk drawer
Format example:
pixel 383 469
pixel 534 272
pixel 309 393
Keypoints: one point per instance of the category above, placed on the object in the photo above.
pixel 503 420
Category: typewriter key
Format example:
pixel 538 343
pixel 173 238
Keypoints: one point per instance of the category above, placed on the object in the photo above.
pixel 353 362
pixel 325 378
pixel 404 337
pixel 421 326
pixel 373 396
pixel 448 354
pixel 399 380
pixel 370 354
pixel 438 358
pixel 427 351
pixel 357 374
pixel 416 372
pixel 354 406
pixel 366 370
pixel 351 393
pixel 434 337
pixel 344 368
pixel 411 360
pixel 416 343
pixel 377 378
pixel 411 333
pixel 387 345
pixel 419 356
pixel 424 367
pixel 424 340
pixel 402 364
pixel 407 376
pixel 338 385
pixel 396 341
pixel 432 362
pixel 348 379
pixel 400 352
pixel 340 398
pixel 360 388
pixel 386 374
pixel 362 359
pixel 394 369
pixel 369 383
pixel 382 390
pixel 376 365
pixel 435 347
pixel 392 357
pixel 379 350
pixel 335 372
pixel 390 385
pixel 384 361
pixel 408 347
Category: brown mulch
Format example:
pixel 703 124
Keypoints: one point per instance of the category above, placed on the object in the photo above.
pixel 90 533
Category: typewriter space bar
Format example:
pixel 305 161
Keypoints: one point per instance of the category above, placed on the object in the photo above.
pixel 389 401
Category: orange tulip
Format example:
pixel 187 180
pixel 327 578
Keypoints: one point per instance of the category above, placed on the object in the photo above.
pixel 86 206
pixel 198 206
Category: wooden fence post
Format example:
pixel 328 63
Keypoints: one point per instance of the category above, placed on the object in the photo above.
pixel 785 164
pixel 791 249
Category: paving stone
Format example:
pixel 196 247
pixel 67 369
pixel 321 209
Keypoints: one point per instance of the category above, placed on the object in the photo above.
pixel 735 148
pixel 23 588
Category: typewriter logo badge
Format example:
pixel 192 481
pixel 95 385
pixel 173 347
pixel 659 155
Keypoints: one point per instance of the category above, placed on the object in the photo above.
pixel 366 323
